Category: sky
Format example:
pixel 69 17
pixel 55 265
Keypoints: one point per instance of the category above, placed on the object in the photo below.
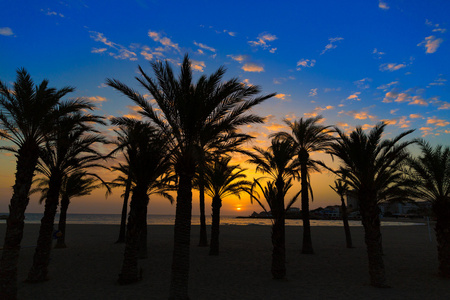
pixel 356 63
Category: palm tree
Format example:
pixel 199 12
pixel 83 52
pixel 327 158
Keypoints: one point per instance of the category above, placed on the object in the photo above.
pixel 205 113
pixel 431 175
pixel 222 180
pixel 279 163
pixel 68 149
pixel 148 160
pixel 341 188
pixel 308 136
pixel 372 168
pixel 27 115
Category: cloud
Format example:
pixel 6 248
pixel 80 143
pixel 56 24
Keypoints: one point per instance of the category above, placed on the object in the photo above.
pixel 327 90
pixel 431 43
pixel 386 86
pixel 48 12
pixel 313 92
pixel 328 107
pixel 282 96
pixel 311 114
pixel 363 83
pixel 439 82
pixel 6 31
pixel 275 127
pixel 415 116
pixel 123 52
pixel 203 46
pixel 97 99
pixel 354 96
pixel 436 27
pixel 377 53
pixel 305 63
pixel 197 65
pixel 239 58
pixel 280 80
pixel 98 50
pixel 404 122
pixel 262 40
pixel 165 41
pixel 437 122
pixel 383 5
pixel 391 67
pixel 331 44
pixel 444 105
pixel 252 67
pixel 393 111
pixel 358 115
pixel 418 100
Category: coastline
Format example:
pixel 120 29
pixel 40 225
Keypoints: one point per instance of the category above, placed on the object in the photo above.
pixel 88 269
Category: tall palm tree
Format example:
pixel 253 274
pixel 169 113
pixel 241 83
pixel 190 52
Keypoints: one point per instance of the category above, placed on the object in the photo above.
pixel 372 168
pixel 70 148
pixel 148 160
pixel 308 136
pixel 27 115
pixel 341 188
pixel 431 174
pixel 208 113
pixel 222 180
pixel 279 163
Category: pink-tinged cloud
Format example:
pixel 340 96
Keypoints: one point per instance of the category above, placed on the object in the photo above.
pixel 367 126
pixel 262 40
pixel 390 121
pixel 282 96
pixel 97 99
pixel 383 5
pixel 98 50
pixel 203 46
pixel 393 111
pixel 418 100
pixel 6 31
pixel 444 105
pixel 354 96
pixel 403 97
pixel 197 65
pixel 331 44
pixel 305 63
pixel 275 127
pixel 358 115
pixel 415 116
pixel 437 122
pixel 311 114
pixel 404 122
pixel 165 41
pixel 252 67
pixel 313 92
pixel 386 86
pixel 431 43
pixel 239 58
pixel 391 67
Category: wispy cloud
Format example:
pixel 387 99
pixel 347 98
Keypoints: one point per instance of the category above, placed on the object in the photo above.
pixel 197 65
pixel 418 100
pixel 97 99
pixel 363 83
pixel 327 90
pixel 387 86
pixel 358 115
pixel 437 122
pixel 49 12
pixel 282 96
pixel 391 67
pixel 98 50
pixel 313 92
pixel 439 81
pixel 331 44
pixel 444 105
pixel 378 54
pixel 354 96
pixel 431 43
pixel 415 116
pixel 6 31
pixel 383 5
pixel 252 67
pixel 203 46
pixel 120 52
pixel 305 63
pixel 239 58
pixel 263 40
pixel 165 41
pixel 436 27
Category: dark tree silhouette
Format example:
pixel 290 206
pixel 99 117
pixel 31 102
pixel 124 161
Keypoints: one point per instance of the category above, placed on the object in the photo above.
pixel 341 188
pixel 205 113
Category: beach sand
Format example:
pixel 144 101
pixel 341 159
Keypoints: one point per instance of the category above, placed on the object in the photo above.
pixel 89 268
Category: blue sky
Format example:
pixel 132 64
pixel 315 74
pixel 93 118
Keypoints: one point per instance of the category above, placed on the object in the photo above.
pixel 354 62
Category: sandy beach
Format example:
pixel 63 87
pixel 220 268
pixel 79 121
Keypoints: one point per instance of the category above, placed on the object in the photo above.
pixel 88 269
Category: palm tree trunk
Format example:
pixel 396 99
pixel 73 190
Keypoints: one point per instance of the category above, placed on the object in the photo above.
pixel 180 261
pixel 215 226
pixel 130 272
pixel 143 252
pixel 41 259
pixel 123 220
pixel 348 236
pixel 442 229
pixel 26 162
pixel 278 235
pixel 370 214
pixel 307 242
pixel 203 235
pixel 61 240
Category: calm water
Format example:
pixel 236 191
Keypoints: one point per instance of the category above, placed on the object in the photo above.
pixel 114 219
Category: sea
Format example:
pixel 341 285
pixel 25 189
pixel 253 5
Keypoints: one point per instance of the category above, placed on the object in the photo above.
pixel 114 219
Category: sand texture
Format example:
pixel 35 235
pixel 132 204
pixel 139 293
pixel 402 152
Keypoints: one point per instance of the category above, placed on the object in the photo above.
pixel 89 268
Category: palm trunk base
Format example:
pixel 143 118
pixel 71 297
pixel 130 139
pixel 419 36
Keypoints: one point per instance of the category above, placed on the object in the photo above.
pixel 442 230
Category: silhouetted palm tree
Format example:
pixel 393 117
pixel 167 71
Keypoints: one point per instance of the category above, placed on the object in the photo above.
pixel 27 115
pixel 341 188
pixel 222 180
pixel 279 162
pixel 206 113
pixel 372 168
pixel 69 148
pixel 308 136
pixel 148 159
pixel 431 174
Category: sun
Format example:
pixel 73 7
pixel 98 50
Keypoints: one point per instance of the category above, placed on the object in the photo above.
pixel 238 208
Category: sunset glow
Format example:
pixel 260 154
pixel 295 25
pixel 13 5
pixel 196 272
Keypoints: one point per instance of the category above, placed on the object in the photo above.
pixel 354 63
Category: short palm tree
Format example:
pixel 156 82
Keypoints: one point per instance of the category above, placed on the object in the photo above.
pixel 431 174
pixel 373 169
pixel 341 188
pixel 308 136
pixel 203 113
pixel 222 180
pixel 70 148
pixel 148 159
pixel 279 163
pixel 27 114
